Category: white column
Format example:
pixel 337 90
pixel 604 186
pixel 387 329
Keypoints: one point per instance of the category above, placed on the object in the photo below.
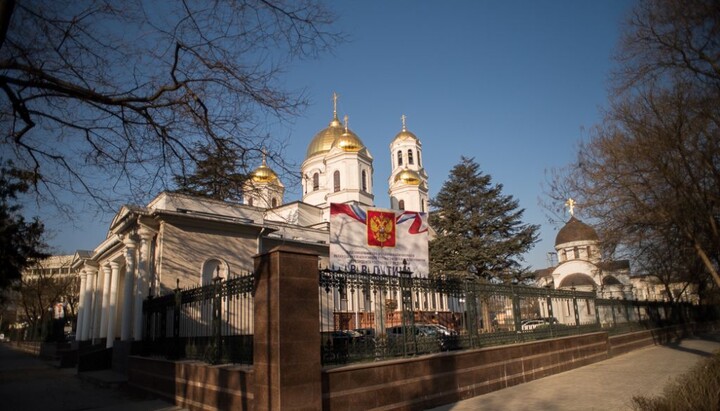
pixel 105 301
pixel 89 303
pixel 112 304
pixel 81 307
pixel 142 279
pixel 97 305
pixel 127 304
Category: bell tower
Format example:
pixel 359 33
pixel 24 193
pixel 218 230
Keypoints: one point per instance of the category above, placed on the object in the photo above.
pixel 408 180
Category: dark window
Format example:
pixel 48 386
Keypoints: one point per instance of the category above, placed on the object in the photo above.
pixel 410 157
pixel 399 158
pixel 336 181
pixel 274 202
pixel 364 181
pixel 250 202
pixel 422 206
pixel 401 204
pixel 576 251
pixel 316 182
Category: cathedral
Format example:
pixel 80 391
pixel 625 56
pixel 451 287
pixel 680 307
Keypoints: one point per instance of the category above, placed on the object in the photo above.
pixel 183 241
pixel 338 168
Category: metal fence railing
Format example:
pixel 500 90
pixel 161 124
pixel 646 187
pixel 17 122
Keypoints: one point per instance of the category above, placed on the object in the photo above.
pixel 213 323
pixel 366 317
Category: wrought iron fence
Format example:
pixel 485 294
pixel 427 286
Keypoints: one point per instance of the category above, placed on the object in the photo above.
pixel 213 323
pixel 367 317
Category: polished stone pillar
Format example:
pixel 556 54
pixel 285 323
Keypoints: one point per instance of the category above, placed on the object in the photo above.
pixel 142 279
pixel 105 300
pixel 112 303
pixel 286 358
pixel 127 304
pixel 82 309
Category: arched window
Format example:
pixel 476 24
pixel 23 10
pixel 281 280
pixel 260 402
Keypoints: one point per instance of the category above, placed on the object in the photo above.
pixel 576 252
pixel 211 269
pixel 274 202
pixel 250 201
pixel 410 157
pixel 401 204
pixel 399 157
pixel 364 180
pixel 336 181
pixel 316 182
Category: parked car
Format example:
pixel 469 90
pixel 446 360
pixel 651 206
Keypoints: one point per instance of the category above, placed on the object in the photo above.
pixel 431 336
pixel 366 334
pixel 538 322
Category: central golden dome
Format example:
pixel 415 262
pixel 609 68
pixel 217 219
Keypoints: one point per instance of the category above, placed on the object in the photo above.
pixel 335 135
pixel 323 141
pixel 408 177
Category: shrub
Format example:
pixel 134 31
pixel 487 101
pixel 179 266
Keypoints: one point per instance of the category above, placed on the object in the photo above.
pixel 698 389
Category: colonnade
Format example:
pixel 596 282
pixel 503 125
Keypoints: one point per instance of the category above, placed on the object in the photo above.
pixel 100 291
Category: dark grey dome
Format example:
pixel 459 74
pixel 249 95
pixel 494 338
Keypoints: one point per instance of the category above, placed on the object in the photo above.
pixel 575 230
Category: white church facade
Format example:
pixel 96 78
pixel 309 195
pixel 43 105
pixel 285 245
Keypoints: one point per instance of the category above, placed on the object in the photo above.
pixel 183 241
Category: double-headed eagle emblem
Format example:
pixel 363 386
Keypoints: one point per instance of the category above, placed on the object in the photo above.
pixel 381 228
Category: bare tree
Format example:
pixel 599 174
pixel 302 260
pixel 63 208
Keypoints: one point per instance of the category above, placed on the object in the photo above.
pixel 40 288
pixel 112 98
pixel 675 41
pixel 651 170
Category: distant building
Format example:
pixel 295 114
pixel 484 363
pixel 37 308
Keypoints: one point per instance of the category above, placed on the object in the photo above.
pixel 51 290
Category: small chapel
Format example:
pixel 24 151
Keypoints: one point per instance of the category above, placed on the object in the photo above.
pixel 581 266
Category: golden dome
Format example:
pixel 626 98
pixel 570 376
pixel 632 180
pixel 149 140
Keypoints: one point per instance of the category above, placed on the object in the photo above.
pixel 323 141
pixel 264 174
pixel 404 134
pixel 335 135
pixel 348 141
pixel 408 177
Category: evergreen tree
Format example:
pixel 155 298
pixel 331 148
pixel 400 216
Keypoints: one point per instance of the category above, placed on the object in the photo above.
pixel 479 230
pixel 216 175
pixel 20 241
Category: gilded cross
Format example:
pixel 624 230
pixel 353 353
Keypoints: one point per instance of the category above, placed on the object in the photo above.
pixel 570 203
pixel 403 121
pixel 335 99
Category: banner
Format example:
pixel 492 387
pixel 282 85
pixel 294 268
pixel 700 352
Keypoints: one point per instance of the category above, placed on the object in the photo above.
pixel 377 241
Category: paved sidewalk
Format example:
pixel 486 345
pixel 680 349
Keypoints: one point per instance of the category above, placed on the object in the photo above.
pixel 30 384
pixel 606 385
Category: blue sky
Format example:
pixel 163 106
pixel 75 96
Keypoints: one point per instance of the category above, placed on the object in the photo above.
pixel 514 84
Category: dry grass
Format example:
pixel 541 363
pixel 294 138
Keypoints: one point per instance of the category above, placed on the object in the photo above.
pixel 696 390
